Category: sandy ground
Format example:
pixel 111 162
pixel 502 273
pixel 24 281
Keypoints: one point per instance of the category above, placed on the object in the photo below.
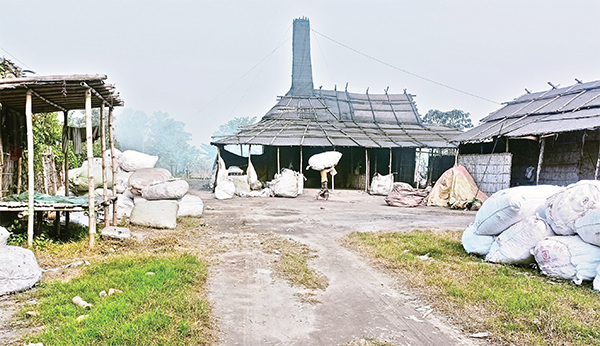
pixel 253 307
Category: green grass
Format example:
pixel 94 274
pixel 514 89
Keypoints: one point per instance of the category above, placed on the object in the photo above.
pixel 166 308
pixel 517 305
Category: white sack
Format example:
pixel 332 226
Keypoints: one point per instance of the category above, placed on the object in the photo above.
pixel 252 177
pixel 190 205
pixel 597 279
pixel 509 206
pixel 567 257
pixel 266 192
pixel 170 189
pixel 324 160
pixel 381 184
pixel 225 188
pixel 285 184
pixel 19 269
pixel 124 205
pixel 132 161
pixel 157 214
pixel 241 184
pixel 78 177
pixel 571 203
pixel 588 227
pixel 514 245
pixel 476 243
pixel 147 176
pixel 122 181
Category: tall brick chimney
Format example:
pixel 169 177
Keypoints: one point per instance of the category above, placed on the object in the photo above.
pixel 302 81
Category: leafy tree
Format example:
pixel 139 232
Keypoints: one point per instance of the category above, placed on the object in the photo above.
pixel 454 118
pixel 8 69
pixel 231 127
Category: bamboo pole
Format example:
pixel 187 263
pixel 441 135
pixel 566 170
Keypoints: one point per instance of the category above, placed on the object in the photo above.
pixel 301 161
pixel 540 160
pixel 390 163
pixel 278 162
pixel 66 165
pixel 367 169
pixel 104 172
pixel 90 159
pixel 19 174
pixel 113 163
pixel 30 153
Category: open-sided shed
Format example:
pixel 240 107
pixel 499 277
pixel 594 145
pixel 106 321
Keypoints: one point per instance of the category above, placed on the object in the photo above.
pixel 21 97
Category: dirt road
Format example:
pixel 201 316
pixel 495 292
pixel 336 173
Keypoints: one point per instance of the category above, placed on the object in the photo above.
pixel 256 308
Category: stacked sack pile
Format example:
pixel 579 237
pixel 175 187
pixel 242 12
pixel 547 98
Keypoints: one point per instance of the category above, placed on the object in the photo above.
pixel 556 227
pixel 151 196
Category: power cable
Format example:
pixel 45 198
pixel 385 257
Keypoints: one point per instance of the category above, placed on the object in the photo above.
pixel 14 57
pixel 405 71
pixel 239 79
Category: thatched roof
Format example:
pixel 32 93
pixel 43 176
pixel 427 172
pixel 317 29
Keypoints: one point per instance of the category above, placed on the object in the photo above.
pixel 572 108
pixel 339 118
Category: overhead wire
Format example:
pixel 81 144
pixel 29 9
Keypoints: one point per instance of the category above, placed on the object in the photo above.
pixel 324 59
pixel 17 59
pixel 405 71
pixel 242 77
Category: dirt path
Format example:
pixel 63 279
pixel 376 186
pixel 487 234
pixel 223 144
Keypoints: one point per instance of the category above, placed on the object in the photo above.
pixel 256 308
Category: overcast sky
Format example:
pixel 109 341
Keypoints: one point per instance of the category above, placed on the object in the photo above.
pixel 195 59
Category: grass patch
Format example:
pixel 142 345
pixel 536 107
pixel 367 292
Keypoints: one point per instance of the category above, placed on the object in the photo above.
pixel 167 308
pixel 293 263
pixel 517 305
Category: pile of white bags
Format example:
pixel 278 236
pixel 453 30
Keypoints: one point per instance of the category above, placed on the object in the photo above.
pixel 557 227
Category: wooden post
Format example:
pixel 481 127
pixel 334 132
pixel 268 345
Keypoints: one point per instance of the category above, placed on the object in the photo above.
pixel 19 174
pixel 390 163
pixel 597 161
pixel 30 153
pixel 540 160
pixel 113 163
pixel 104 172
pixel 367 169
pixel 278 165
pixel 301 161
pixel 90 159
pixel 66 165
pixel 506 138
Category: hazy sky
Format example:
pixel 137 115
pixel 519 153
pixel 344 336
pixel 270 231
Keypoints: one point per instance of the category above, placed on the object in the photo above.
pixel 194 59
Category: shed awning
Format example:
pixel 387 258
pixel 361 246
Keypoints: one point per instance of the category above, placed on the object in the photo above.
pixel 57 93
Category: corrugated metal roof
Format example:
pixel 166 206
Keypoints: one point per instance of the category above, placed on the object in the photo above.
pixel 572 108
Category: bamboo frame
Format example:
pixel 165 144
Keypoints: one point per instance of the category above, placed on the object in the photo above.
pixel 540 160
pixel 113 163
pixel 30 182
pixel 90 158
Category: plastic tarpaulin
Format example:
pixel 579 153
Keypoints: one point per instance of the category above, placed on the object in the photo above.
pixel 455 188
